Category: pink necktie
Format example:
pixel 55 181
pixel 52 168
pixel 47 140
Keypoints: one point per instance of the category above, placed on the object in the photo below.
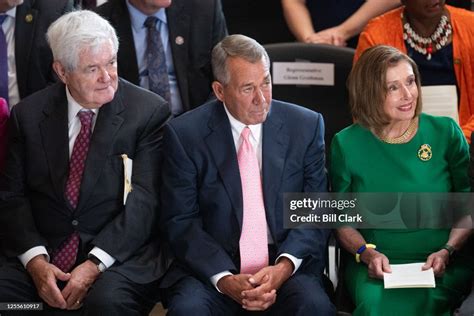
pixel 253 239
pixel 65 256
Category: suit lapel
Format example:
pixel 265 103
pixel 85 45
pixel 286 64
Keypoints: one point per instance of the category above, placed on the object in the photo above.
pixel 274 148
pixel 221 145
pixel 179 16
pixel 55 139
pixel 25 23
pixel 127 57
pixel 107 125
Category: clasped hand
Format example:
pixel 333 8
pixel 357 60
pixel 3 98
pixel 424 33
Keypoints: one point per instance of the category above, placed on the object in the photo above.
pixel 256 292
pixel 45 276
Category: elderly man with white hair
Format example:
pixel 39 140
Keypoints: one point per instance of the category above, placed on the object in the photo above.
pixel 79 191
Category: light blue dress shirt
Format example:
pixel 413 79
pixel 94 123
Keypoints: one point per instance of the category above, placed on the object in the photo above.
pixel 139 32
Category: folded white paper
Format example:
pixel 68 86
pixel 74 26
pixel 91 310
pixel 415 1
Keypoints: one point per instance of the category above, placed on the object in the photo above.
pixel 440 101
pixel 127 176
pixel 409 276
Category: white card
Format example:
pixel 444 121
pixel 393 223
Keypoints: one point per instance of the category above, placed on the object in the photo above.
pixel 440 101
pixel 409 276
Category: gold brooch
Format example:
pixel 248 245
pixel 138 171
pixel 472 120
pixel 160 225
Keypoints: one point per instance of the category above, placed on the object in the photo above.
pixel 425 153
pixel 29 18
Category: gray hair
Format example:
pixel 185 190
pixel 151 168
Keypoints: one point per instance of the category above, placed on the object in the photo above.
pixel 76 31
pixel 235 45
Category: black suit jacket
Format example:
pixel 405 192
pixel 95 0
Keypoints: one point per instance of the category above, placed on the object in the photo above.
pixel 34 210
pixel 201 190
pixel 33 56
pixel 471 164
pixel 200 23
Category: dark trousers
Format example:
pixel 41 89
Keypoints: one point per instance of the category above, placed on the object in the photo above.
pixel 302 294
pixel 111 294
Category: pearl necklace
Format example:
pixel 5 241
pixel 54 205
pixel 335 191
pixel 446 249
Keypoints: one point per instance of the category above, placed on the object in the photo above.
pixel 405 136
pixel 424 45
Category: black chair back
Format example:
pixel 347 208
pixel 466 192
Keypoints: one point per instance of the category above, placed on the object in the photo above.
pixel 330 101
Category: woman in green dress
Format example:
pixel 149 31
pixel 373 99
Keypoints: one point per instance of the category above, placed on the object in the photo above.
pixel 392 147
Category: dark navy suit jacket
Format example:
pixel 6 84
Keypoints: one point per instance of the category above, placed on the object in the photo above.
pixel 202 195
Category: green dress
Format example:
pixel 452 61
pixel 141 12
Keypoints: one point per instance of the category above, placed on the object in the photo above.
pixel 360 162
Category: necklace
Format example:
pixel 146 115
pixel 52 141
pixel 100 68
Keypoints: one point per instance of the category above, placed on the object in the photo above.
pixel 424 45
pixel 404 137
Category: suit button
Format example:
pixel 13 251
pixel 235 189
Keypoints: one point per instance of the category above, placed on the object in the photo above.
pixel 75 223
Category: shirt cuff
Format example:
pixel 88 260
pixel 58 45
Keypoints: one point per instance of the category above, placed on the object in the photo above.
pixel 31 253
pixel 104 257
pixel 216 277
pixel 296 262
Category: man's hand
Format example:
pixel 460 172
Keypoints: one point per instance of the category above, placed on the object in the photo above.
pixel 377 263
pixel 266 283
pixel 82 277
pixel 438 261
pixel 45 276
pixel 234 285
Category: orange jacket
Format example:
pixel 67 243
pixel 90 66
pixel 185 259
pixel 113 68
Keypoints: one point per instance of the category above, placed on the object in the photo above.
pixel 387 29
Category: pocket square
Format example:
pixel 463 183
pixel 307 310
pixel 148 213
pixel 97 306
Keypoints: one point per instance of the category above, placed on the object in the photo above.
pixel 127 176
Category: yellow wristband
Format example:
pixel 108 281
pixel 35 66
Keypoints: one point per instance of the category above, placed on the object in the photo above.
pixel 362 249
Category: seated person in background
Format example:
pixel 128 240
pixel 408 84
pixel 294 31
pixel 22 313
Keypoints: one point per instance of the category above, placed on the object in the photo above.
pixel 467 307
pixel 380 152
pixel 69 239
pixel 28 66
pixel 226 167
pixel 446 60
pixel 166 46
pixel 332 22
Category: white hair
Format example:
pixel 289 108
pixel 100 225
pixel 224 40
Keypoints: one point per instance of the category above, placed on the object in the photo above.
pixel 76 31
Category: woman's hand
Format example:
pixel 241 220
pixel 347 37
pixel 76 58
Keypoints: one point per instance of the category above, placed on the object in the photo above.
pixel 438 261
pixel 377 263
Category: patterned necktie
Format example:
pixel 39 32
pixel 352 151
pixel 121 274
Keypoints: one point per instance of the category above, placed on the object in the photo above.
pixel 65 255
pixel 253 239
pixel 3 61
pixel 156 61
pixel 78 158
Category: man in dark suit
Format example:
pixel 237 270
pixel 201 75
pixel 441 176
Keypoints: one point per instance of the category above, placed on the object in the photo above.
pixel 192 27
pixel 81 240
pixel 30 58
pixel 226 168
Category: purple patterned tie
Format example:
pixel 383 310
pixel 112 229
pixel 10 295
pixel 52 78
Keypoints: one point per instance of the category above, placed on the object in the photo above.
pixel 3 62
pixel 156 60
pixel 65 255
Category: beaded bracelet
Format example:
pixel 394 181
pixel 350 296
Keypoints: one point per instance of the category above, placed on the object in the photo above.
pixel 362 249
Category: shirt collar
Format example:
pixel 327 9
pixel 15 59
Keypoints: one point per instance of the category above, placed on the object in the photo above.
pixel 11 13
pixel 137 17
pixel 238 126
pixel 73 107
